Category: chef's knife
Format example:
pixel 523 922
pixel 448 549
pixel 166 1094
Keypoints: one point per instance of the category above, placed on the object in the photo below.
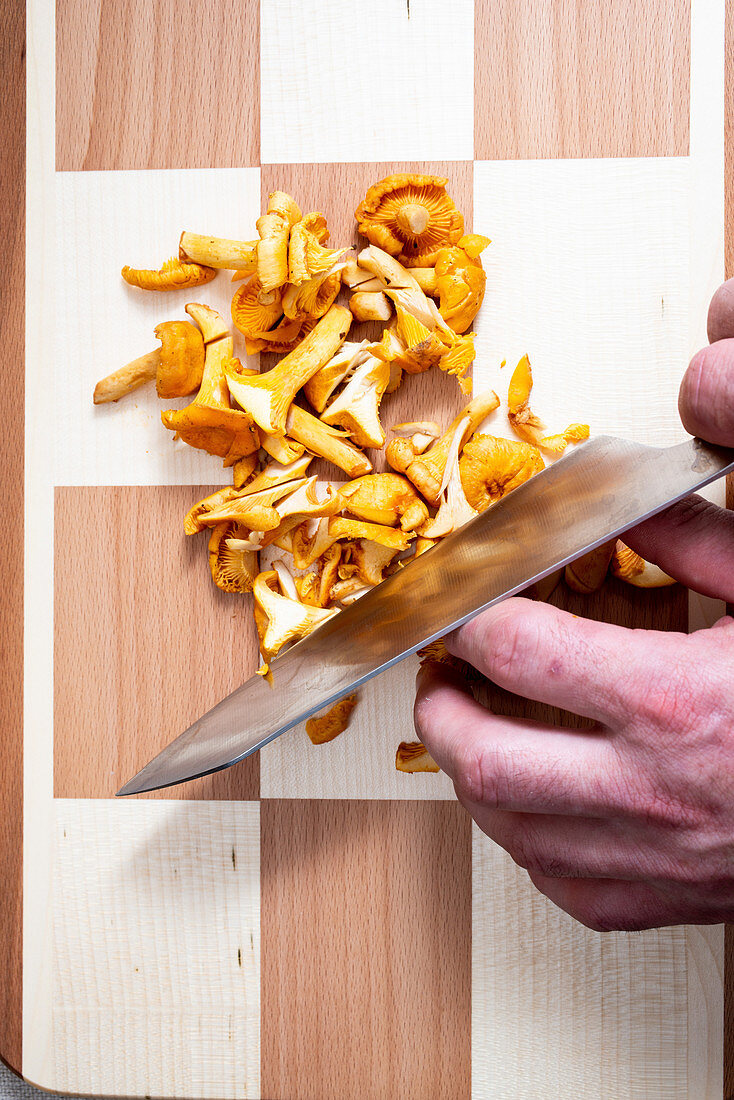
pixel 600 490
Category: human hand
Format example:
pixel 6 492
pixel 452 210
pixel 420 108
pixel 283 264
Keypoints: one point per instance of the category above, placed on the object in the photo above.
pixel 628 825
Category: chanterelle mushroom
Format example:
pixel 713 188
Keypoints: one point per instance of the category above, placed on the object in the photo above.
pixel 630 567
pixel 174 275
pixel 325 727
pixel 286 620
pixel 357 407
pixel 461 281
pixel 307 256
pixel 426 470
pixel 177 366
pixel 413 756
pixel 232 569
pixel 255 310
pixel 210 423
pixel 588 573
pixel 492 467
pixel 385 498
pixel 526 423
pixel 410 216
pixel 274 228
pixel 268 397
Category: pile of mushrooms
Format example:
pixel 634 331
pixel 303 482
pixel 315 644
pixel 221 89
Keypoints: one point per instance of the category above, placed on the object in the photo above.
pixel 304 546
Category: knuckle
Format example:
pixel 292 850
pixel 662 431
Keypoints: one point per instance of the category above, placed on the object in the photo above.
pixel 512 642
pixel 473 780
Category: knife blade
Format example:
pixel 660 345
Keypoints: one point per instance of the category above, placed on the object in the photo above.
pixel 586 498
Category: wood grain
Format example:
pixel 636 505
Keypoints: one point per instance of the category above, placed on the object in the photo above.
pixel 558 78
pixel 336 190
pixel 366 944
pixel 157 84
pixel 144 641
pixel 12 226
pixel 729 269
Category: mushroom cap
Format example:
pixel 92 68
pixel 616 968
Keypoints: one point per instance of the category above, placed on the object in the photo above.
pixel 413 756
pixel 491 467
pixel 232 568
pixel 227 433
pixel 211 323
pixel 307 256
pixel 423 348
pixel 632 568
pixel 283 204
pixel 460 284
pixel 313 298
pixel 175 274
pixel 322 728
pixel 254 310
pixel 182 359
pixel 384 498
pixel 457 360
pixel 410 216
pixel 272 250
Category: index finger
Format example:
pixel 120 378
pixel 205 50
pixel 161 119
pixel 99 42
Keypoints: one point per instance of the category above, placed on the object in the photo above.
pixel 513 764
pixel 536 650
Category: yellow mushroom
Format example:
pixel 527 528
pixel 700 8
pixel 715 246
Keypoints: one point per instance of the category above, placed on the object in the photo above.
pixel 316 587
pixel 321 385
pixel 307 256
pixel 280 340
pixel 454 510
pixel 278 473
pixel 194 519
pixel 630 567
pixel 286 620
pixel 218 252
pixel 211 323
pixel 174 275
pixel 588 573
pixel 410 216
pixel 492 467
pixel 285 206
pixel 210 423
pixel 357 407
pixel 268 397
pixel 458 358
pixel 329 443
pixel 232 569
pixel 177 366
pixel 370 306
pixel 325 727
pixel 370 560
pixel 243 469
pixel 461 281
pixel 422 347
pixel 274 229
pixel 280 448
pixel 307 548
pixel 413 756
pixel 526 423
pixel 255 511
pixel 313 298
pixel 426 470
pixel 386 498
pixel 254 310
pixel 544 588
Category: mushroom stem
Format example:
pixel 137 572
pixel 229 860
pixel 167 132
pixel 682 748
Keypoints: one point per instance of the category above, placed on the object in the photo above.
pixel 412 219
pixel 218 252
pixel 128 378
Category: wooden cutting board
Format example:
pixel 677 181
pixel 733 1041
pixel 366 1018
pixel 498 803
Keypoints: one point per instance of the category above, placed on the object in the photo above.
pixel 312 924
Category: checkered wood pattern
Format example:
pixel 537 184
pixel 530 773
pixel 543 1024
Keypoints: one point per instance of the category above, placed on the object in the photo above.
pixel 373 978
